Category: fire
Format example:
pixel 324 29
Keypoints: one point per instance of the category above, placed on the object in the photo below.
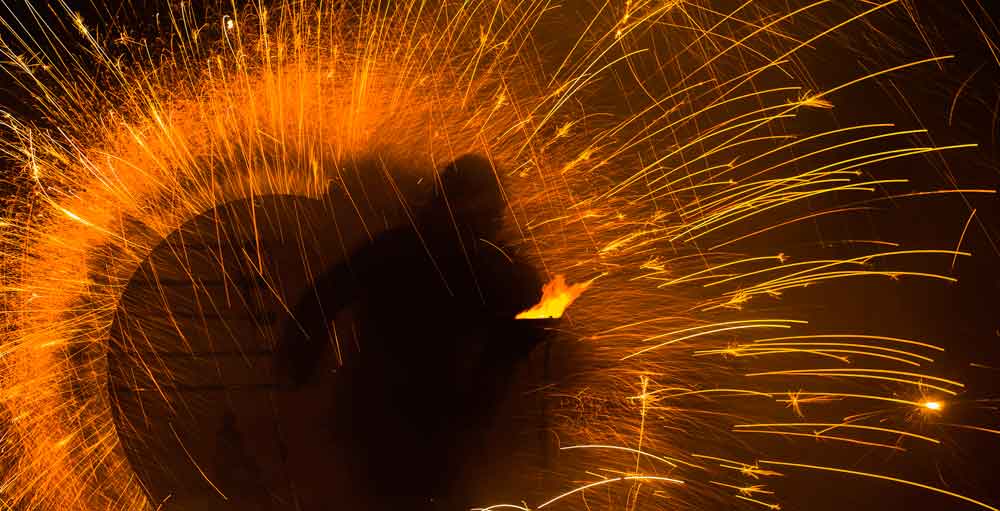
pixel 556 298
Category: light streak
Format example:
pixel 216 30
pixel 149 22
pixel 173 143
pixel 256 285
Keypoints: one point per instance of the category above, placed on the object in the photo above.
pixel 829 427
pixel 961 238
pixel 607 481
pixel 882 477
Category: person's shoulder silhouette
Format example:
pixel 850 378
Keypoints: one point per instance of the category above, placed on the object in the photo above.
pixel 448 264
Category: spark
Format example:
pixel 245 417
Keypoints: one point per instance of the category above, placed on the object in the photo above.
pixel 607 481
pixel 961 238
pixel 882 477
pixel 674 148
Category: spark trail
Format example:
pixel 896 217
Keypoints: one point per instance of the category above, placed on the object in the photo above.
pixel 662 152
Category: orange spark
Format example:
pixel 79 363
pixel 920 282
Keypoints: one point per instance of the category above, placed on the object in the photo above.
pixel 933 405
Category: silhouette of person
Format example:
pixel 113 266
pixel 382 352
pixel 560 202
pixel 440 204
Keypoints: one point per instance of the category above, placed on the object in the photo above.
pixel 435 304
pixel 237 474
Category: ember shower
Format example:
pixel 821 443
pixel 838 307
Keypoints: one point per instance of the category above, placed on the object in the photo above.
pixel 664 154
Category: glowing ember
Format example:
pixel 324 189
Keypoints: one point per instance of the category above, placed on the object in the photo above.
pixel 556 298
pixel 933 405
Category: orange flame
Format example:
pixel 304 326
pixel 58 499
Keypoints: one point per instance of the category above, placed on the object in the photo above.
pixel 556 298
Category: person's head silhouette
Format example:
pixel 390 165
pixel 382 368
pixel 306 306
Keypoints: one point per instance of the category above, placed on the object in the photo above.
pixel 469 194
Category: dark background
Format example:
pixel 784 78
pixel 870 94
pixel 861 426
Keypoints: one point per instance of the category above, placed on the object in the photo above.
pixel 962 316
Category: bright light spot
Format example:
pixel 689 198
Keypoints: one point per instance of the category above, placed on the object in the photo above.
pixel 230 24
pixel 933 405
pixel 556 298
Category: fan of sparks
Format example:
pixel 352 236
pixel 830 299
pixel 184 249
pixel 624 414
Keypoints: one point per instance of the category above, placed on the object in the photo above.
pixel 662 152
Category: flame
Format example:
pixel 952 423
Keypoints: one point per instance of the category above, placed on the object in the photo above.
pixel 556 298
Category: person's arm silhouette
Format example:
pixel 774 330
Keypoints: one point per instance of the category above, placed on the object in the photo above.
pixel 307 335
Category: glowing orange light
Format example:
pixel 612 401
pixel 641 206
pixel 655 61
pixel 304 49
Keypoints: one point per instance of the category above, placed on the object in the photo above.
pixel 702 157
pixel 933 405
pixel 556 298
